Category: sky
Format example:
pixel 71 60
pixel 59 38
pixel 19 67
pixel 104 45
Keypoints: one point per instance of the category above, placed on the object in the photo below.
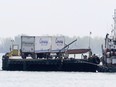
pixel 56 17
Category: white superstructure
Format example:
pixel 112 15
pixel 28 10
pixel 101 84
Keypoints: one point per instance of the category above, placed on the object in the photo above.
pixel 109 53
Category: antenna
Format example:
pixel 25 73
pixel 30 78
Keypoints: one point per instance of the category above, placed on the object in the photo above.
pixel 114 18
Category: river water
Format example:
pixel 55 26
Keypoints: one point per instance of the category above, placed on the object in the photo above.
pixel 55 79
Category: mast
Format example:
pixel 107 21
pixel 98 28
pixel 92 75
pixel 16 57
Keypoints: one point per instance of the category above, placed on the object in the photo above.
pixel 114 18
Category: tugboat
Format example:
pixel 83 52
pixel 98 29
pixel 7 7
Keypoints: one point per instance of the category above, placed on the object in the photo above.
pixel 109 50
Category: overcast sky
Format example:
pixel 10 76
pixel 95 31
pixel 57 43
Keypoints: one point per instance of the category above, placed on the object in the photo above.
pixel 55 17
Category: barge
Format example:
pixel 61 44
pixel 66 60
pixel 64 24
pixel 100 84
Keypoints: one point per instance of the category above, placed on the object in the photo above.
pixel 48 54
pixel 48 64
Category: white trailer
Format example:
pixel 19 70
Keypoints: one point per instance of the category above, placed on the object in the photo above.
pixel 27 46
pixel 58 43
pixel 43 46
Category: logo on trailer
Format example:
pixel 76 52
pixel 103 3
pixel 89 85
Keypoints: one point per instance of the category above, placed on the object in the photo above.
pixel 59 42
pixel 43 42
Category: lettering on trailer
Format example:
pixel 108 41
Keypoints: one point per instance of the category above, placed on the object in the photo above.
pixel 59 42
pixel 43 42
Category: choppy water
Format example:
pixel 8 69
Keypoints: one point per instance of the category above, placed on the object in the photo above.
pixel 55 79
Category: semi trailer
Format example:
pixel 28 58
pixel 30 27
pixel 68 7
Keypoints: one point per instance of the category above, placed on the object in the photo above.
pixel 41 46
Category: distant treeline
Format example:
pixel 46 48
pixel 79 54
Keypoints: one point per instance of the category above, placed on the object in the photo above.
pixel 82 42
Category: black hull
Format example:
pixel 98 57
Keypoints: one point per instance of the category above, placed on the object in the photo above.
pixel 48 65
pixel 106 69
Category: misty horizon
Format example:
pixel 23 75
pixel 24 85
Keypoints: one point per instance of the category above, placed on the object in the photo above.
pixel 69 18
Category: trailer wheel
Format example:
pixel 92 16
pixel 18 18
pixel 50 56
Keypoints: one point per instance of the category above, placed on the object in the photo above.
pixel 23 56
pixel 34 56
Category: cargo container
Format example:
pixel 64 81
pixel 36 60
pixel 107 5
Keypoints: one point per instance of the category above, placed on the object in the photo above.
pixel 58 43
pixel 41 46
pixel 27 46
